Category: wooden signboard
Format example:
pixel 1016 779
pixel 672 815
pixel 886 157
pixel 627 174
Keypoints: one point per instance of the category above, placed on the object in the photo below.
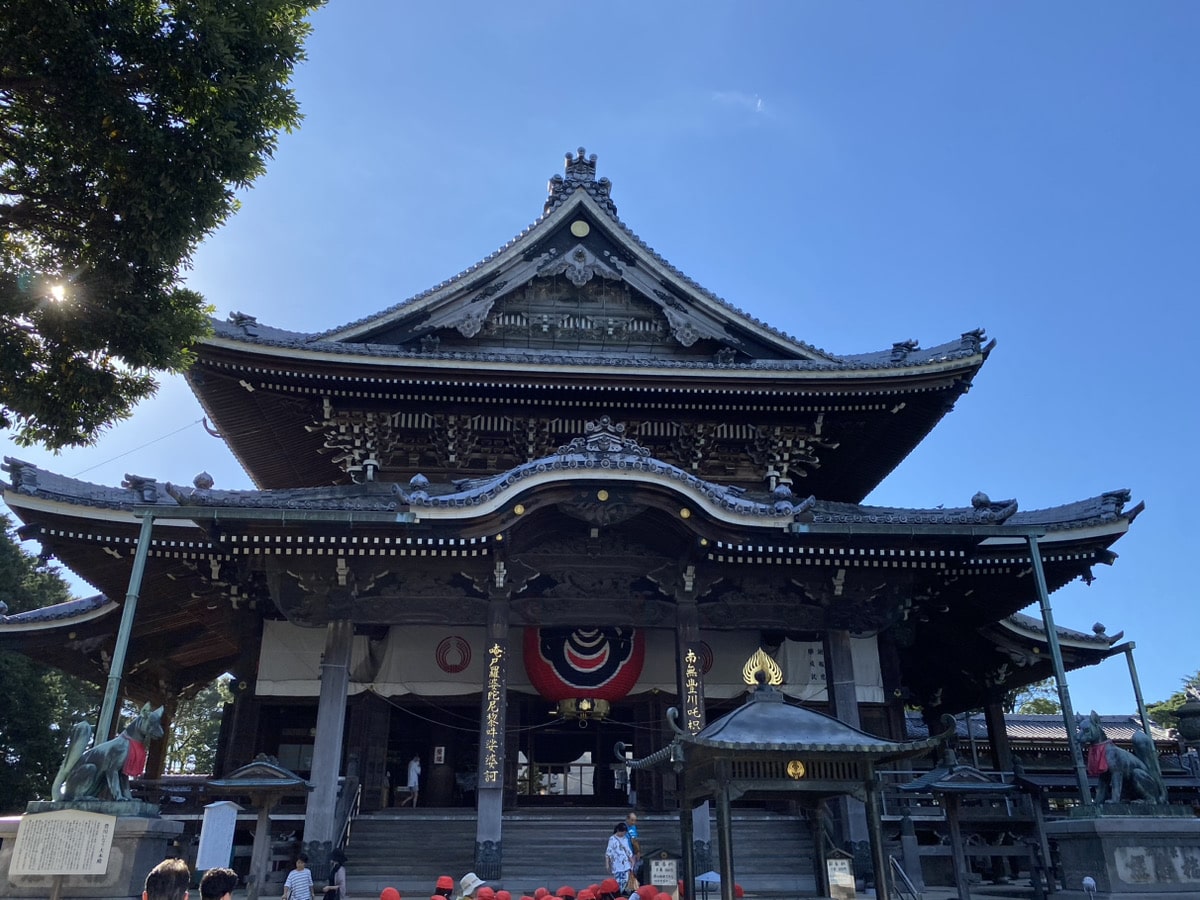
pixel 841 878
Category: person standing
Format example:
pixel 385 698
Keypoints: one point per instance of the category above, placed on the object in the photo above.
pixel 414 780
pixel 218 884
pixel 299 884
pixel 635 845
pixel 617 857
pixel 168 880
pixel 336 888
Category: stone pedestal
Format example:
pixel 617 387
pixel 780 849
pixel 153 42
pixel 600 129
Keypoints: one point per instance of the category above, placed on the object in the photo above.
pixel 1131 857
pixel 139 844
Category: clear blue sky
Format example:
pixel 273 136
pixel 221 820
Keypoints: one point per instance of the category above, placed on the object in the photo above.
pixel 854 174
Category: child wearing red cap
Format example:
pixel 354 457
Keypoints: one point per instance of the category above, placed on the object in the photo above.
pixel 444 887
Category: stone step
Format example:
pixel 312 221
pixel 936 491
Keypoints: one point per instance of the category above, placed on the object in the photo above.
pixel 409 849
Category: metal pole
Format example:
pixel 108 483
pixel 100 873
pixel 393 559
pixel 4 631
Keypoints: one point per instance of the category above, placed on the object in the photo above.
pixel 112 689
pixel 1060 672
pixel 1137 688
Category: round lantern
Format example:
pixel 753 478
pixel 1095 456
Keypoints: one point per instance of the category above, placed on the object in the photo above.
pixel 584 669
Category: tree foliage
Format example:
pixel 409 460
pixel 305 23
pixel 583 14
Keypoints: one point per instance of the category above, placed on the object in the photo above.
pixel 1038 698
pixel 195 728
pixel 1163 712
pixel 126 126
pixel 38 704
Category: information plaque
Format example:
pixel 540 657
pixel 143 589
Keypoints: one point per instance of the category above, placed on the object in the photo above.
pixel 841 879
pixel 64 842
pixel 664 873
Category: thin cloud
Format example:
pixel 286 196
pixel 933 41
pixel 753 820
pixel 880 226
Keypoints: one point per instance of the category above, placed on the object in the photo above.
pixel 751 102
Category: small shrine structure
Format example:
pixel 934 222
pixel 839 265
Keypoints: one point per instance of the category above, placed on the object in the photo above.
pixel 769 748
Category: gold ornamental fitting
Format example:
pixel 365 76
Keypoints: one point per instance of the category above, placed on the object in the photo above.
pixel 760 662
pixel 795 769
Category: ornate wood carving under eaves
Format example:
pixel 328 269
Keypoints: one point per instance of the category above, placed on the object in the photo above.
pixel 317 590
pixel 579 264
pixel 569 308
pixel 361 440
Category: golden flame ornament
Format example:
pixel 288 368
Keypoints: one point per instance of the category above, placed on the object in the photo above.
pixel 760 662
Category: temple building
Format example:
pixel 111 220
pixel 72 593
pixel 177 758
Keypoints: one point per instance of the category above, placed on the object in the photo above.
pixel 567 486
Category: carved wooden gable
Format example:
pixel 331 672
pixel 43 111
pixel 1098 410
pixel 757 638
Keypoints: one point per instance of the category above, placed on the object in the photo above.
pixel 577 281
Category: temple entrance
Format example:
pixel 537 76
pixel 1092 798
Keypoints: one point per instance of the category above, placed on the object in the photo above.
pixel 570 762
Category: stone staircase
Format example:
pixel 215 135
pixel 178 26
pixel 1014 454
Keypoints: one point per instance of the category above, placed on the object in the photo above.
pixel 408 849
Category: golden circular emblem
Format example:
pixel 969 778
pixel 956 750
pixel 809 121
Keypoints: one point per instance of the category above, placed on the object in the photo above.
pixel 580 228
pixel 795 769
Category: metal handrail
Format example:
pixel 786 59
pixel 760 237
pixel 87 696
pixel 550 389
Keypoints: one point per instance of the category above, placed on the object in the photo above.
pixel 347 809
pixel 904 887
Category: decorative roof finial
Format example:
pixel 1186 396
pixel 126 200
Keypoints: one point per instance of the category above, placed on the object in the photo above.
pixel 580 174
pixel 762 665
pixel 581 167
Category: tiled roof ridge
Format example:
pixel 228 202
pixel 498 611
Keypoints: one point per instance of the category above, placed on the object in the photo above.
pixel 242 329
pixel 602 450
pixel 1030 623
pixel 68 609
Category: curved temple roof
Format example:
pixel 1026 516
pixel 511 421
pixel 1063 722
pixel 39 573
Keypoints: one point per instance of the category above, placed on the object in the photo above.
pixel 596 244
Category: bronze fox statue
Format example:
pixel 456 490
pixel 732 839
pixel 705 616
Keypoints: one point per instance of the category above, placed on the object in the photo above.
pixel 88 774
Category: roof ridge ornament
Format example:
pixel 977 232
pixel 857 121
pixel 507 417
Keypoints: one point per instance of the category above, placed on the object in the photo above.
pixel 580 173
pixel 603 436
pixel 761 666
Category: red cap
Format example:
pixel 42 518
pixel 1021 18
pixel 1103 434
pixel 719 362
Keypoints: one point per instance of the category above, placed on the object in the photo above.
pixel 586 894
pixel 540 893
pixel 647 892
pixel 565 891
pixel 389 893
pixel 485 893
pixel 503 895
pixel 444 882
pixel 610 886
pixel 737 890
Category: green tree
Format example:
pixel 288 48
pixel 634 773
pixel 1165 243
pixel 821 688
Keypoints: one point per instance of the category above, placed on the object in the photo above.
pixel 38 704
pixel 195 728
pixel 1163 712
pixel 126 126
pixel 1038 698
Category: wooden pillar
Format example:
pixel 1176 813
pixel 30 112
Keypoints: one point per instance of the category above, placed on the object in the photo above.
pixel 489 797
pixel 156 751
pixel 689 680
pixel 818 816
pixel 843 703
pixel 687 841
pixel 879 860
pixel 319 821
pixel 993 715
pixel 962 877
pixel 725 831
pixel 370 723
